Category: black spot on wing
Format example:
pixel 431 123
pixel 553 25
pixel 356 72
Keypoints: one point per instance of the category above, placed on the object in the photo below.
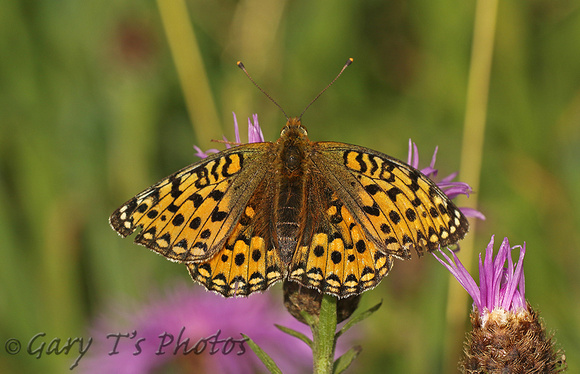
pixel 361 163
pixel 336 257
pixel 216 195
pixel 195 223
pixel 372 210
pixel 218 216
pixel 393 192
pixel 178 220
pixel 175 183
pixel 239 259
pixel 414 175
pixel 372 188
pixel 318 251
pixel 374 165
pixel 196 198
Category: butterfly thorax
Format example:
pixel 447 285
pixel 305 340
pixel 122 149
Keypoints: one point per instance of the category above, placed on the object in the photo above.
pixel 292 164
pixel 292 147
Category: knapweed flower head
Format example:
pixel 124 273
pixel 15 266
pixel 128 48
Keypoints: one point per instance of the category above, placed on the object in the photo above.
pixel 190 331
pixel 499 287
pixel 508 335
pixel 451 188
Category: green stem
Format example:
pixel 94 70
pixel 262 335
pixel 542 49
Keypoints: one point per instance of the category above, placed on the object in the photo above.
pixel 323 334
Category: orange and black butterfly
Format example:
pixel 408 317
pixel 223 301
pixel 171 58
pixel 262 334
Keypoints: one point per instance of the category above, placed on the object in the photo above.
pixel 330 216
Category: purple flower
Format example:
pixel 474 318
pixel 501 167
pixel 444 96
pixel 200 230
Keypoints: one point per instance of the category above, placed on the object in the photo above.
pixel 499 287
pixel 254 136
pixel 507 335
pixel 451 189
pixel 151 340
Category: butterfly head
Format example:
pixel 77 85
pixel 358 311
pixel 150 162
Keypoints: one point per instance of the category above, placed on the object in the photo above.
pixel 294 128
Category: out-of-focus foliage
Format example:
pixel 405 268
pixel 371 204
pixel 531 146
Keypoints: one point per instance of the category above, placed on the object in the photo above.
pixel 92 111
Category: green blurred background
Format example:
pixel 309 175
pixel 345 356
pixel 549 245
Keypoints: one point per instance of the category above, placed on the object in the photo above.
pixel 92 111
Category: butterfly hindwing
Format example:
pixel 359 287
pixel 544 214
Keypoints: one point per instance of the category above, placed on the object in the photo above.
pixel 335 257
pixel 248 262
pixel 189 215
pixel 396 205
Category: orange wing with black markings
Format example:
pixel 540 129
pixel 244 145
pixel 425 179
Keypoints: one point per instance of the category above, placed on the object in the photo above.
pixel 189 215
pixel 249 261
pixel 397 206
pixel 336 257
pixel 368 208
pixel 330 216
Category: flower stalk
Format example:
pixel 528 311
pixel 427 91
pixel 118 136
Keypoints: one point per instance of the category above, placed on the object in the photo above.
pixel 323 331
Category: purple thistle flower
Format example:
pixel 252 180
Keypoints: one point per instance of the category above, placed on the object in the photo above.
pixel 254 131
pixel 508 336
pixel 213 325
pixel 254 136
pixel 499 287
pixel 451 189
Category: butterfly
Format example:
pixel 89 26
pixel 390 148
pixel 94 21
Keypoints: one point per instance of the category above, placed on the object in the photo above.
pixel 327 215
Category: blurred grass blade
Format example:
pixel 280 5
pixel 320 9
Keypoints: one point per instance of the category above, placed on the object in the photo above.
pixel 344 361
pixel 263 356
pixel 353 321
pixel 470 167
pixel 191 70
pixel 295 334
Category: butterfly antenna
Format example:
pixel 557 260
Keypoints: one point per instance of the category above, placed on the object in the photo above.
pixel 348 62
pixel 241 66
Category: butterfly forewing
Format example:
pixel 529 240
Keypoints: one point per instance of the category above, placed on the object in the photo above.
pixel 189 215
pixel 396 205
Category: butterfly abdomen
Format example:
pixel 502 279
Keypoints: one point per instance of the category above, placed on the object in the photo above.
pixel 288 220
pixel 291 167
